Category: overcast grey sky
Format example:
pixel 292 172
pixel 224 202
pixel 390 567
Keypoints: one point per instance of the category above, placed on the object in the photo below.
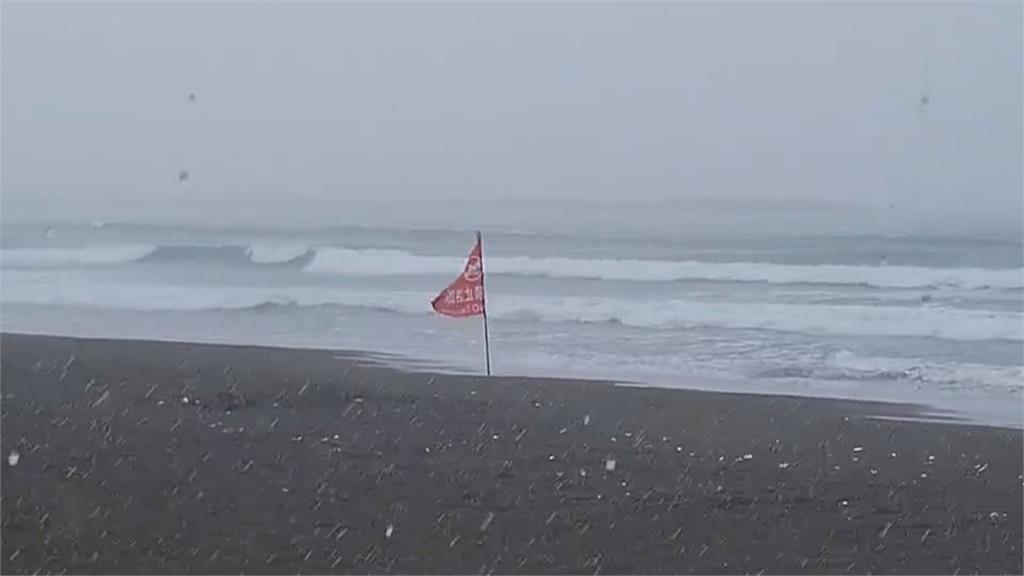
pixel 322 112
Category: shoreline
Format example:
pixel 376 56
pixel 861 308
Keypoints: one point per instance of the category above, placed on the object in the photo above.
pixel 934 406
pixel 141 456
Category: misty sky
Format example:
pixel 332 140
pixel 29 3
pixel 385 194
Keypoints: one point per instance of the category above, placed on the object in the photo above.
pixel 802 114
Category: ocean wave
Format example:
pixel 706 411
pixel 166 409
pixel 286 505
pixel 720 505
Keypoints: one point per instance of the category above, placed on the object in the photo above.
pixel 381 262
pixel 104 255
pixel 107 255
pixel 233 255
pixel 373 262
pixel 845 366
pixel 389 262
pixel 856 320
pixel 274 254
pixel 821 319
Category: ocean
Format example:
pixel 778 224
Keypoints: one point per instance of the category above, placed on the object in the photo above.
pixel 926 319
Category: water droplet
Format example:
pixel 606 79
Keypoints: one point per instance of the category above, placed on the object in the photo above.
pixel 487 521
pixel 13 458
pixel 783 465
pixel 103 398
pixel 184 399
pixel 748 457
pixel 390 530
pixel 583 472
pixel 609 465
pixel 551 457
pixel 858 448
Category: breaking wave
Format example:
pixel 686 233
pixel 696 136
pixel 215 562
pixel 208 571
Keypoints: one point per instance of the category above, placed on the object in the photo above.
pixel 66 257
pixel 111 255
pixel 271 254
pixel 237 255
pixel 847 366
pixel 396 262
pixel 857 320
pixel 386 262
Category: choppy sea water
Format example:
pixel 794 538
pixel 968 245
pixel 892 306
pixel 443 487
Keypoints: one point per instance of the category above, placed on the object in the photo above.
pixel 936 320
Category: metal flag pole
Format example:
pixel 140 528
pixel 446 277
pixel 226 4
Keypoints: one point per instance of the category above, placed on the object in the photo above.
pixel 483 287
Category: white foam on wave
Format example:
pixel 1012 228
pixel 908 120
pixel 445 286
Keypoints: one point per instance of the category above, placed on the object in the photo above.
pixel 859 320
pixel 396 262
pixel 879 276
pixel 856 320
pixel 275 254
pixel 953 374
pixel 839 371
pixel 381 262
pixel 164 297
pixel 385 262
pixel 55 288
pixel 62 257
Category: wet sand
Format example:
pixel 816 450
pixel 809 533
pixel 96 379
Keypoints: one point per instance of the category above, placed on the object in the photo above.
pixel 163 457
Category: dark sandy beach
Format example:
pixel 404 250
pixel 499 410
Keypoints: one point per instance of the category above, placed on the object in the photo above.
pixel 162 457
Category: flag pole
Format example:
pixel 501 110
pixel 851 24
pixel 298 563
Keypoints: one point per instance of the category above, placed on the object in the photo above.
pixel 483 286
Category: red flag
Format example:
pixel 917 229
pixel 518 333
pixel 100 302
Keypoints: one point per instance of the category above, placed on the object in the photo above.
pixel 465 296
